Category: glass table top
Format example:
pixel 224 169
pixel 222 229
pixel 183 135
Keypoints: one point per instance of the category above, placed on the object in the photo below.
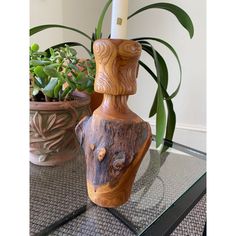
pixel 58 194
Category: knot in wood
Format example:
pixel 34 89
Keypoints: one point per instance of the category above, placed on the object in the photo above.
pixel 119 161
pixel 92 146
pixel 101 154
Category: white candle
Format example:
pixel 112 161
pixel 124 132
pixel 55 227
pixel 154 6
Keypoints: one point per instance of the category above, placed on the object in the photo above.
pixel 119 19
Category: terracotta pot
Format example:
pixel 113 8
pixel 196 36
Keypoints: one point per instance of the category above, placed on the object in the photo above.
pixel 52 124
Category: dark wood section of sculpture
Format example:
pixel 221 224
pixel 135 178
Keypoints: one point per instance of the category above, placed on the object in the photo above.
pixel 114 138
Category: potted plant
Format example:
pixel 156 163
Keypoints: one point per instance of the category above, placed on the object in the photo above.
pixel 56 105
pixel 162 105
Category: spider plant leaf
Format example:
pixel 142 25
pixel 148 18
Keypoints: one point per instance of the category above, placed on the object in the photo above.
pixel 181 15
pixel 160 65
pixel 39 28
pixel 49 89
pixel 153 109
pixel 171 122
pixel 161 113
pixel 160 118
pixel 174 53
pixel 171 117
pixel 163 71
pixel 98 29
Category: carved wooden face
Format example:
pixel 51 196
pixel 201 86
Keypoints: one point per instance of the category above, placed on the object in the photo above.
pixel 117 65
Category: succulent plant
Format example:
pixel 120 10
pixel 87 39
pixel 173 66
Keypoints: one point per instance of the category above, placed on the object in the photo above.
pixel 56 73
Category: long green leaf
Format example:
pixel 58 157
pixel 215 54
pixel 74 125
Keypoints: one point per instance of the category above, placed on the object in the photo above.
pixel 171 117
pixel 101 18
pixel 162 67
pixel 153 109
pixel 181 15
pixel 160 118
pixel 39 28
pixel 174 53
pixel 161 113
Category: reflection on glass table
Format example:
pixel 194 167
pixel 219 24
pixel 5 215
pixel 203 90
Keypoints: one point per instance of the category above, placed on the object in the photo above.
pixel 59 204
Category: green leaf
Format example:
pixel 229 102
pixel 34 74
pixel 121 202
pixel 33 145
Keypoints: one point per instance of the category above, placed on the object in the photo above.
pixel 171 122
pixel 57 89
pixel 70 82
pixel 49 89
pixel 160 118
pixel 39 28
pixel 38 82
pixel 39 63
pixel 51 70
pixel 38 70
pixel 161 113
pixel 98 29
pixel 73 67
pixel 163 71
pixel 174 53
pixel 171 117
pixel 181 15
pixel 65 92
pixel 153 110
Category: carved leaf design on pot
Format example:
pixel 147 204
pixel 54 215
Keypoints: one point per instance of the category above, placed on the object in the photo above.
pixel 54 140
pixel 37 124
pixel 51 120
pixel 50 132
pixel 61 121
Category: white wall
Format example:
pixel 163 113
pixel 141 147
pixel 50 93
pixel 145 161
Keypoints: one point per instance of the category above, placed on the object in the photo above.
pixel 83 15
pixel 190 103
pixel 46 12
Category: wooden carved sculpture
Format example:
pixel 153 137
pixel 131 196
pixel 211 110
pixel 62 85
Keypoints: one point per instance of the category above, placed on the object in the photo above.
pixel 114 138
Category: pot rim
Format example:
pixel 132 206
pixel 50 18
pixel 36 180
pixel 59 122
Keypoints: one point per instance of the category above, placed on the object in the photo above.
pixel 82 100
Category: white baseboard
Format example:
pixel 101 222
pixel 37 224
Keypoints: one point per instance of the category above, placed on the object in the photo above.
pixel 191 135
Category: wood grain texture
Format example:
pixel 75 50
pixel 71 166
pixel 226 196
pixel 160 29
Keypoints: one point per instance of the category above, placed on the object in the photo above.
pixel 114 138
pixel 116 66
pixel 113 151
